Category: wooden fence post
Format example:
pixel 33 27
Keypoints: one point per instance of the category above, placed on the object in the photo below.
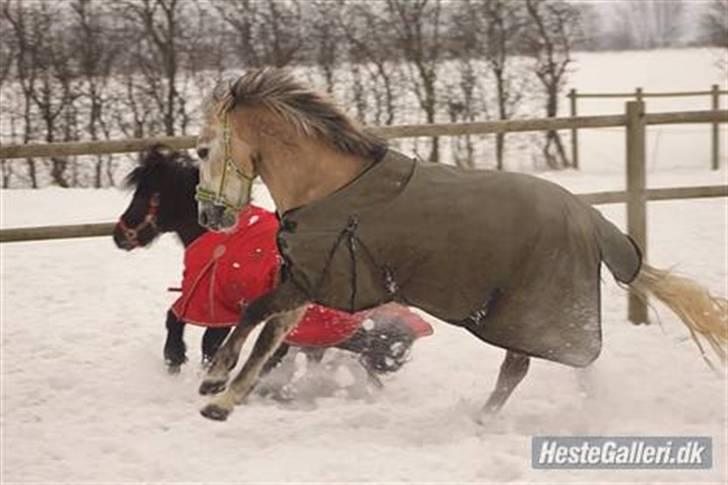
pixel 574 133
pixel 636 195
pixel 715 140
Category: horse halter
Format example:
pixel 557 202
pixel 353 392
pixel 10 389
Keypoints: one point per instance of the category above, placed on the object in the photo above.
pixel 131 234
pixel 246 181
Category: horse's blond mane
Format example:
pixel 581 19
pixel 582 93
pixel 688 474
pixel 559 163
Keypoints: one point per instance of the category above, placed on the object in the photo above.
pixel 310 112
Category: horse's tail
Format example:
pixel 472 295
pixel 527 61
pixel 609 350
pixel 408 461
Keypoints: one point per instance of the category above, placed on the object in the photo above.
pixel 705 315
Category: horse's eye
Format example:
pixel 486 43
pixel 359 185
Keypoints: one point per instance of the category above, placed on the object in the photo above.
pixel 203 152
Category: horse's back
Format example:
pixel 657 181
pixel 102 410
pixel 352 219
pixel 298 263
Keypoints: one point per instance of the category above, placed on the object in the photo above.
pixel 510 212
pixel 513 258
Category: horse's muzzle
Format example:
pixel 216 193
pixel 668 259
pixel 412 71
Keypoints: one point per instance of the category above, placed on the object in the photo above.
pixel 121 240
pixel 216 217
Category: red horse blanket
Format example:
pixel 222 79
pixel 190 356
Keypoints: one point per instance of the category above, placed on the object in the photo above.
pixel 223 272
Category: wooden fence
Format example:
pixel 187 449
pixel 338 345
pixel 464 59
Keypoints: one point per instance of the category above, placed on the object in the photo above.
pixel 636 195
pixel 639 95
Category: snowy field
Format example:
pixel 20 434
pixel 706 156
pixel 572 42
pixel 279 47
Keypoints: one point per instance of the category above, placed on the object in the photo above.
pixel 85 397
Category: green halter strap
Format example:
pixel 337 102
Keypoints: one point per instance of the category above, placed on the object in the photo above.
pixel 246 181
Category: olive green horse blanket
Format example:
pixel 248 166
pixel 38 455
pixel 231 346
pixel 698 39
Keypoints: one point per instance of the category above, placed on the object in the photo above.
pixel 513 258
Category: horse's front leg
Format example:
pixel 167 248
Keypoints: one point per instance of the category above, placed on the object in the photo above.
pixel 281 299
pixel 224 361
pixel 269 340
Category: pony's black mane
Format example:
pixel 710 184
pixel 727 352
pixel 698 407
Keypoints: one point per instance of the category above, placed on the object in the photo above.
pixel 164 166
pixel 171 174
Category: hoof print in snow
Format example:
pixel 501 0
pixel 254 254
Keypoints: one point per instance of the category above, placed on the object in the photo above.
pixel 215 412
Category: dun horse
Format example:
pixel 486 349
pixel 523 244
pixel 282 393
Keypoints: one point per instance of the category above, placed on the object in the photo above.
pixel 163 201
pixel 511 258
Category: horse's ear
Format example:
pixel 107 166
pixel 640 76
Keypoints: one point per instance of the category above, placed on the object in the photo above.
pixel 186 160
pixel 155 153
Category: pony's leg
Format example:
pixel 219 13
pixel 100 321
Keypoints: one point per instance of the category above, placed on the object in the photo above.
pixel 211 341
pixel 174 346
pixel 512 371
pixel 282 299
pixel 270 338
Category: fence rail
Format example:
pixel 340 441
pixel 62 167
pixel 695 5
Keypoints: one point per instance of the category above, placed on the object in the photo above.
pixel 73 231
pixel 642 94
pixel 43 233
pixel 636 196
pixel 638 94
pixel 8 152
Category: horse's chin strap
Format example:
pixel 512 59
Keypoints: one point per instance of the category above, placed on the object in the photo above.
pixel 131 234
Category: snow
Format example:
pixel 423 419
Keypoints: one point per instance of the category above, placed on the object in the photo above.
pixel 85 397
pixel 670 70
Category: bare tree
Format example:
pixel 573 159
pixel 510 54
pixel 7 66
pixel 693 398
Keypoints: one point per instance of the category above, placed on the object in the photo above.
pixel 417 28
pixel 714 30
pixel 551 34
pixel 240 15
pixel 714 24
pixel 593 25
pixel 268 33
pixel 494 28
pixel 369 49
pixel 45 73
pixel 8 52
pixel 25 75
pixel 458 94
pixel 647 24
pixel 96 50
pixel 324 39
pixel 460 103
pixel 156 54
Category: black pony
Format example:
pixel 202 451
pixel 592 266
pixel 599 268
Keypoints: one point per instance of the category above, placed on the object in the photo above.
pixel 164 186
pixel 163 182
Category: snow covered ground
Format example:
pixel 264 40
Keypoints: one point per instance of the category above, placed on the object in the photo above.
pixel 85 398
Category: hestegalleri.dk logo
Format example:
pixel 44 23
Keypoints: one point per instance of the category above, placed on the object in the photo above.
pixel 621 452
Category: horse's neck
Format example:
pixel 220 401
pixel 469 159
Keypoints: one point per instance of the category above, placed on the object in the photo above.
pixel 298 178
pixel 188 231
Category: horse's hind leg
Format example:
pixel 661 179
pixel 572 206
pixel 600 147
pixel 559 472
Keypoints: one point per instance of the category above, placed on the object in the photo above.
pixel 211 341
pixel 275 359
pixel 274 386
pixel 270 338
pixel 512 371
pixel 174 346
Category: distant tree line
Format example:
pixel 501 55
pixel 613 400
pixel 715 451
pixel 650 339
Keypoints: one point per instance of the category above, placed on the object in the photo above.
pixel 653 24
pixel 92 70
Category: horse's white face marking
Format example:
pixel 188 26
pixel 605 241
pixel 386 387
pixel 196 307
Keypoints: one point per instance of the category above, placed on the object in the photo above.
pixel 233 189
pixel 211 140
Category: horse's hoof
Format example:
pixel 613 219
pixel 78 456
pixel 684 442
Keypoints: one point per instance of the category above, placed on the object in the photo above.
pixel 171 358
pixel 212 387
pixel 174 369
pixel 215 412
pixel 487 415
